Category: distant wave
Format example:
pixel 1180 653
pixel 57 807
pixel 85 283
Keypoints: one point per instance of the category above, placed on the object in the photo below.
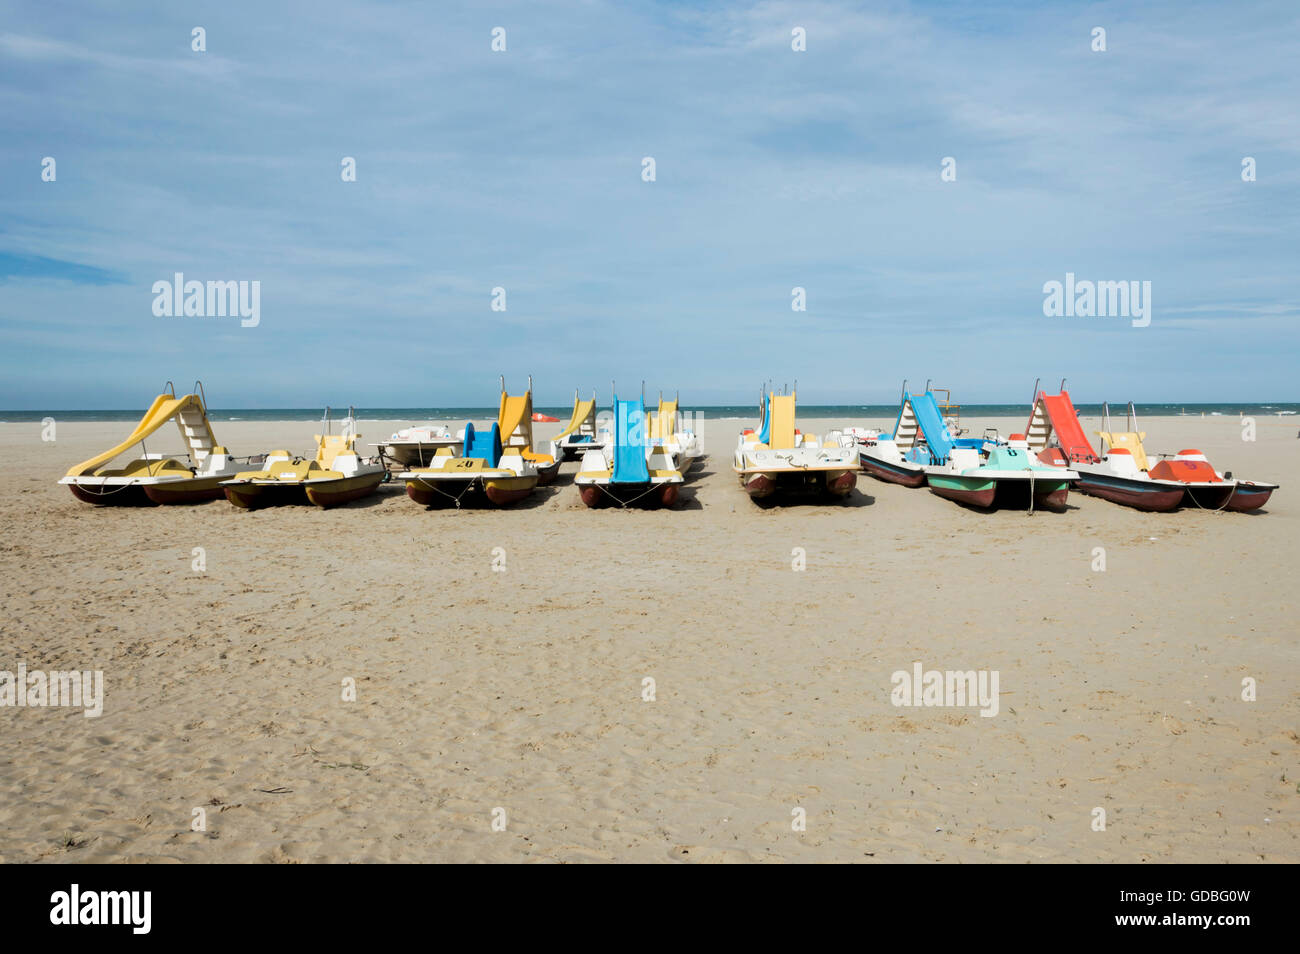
pixel 847 413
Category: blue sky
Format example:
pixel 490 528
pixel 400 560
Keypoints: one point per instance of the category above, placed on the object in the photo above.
pixel 522 169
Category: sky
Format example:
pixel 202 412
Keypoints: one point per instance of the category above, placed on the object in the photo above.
pixel 522 169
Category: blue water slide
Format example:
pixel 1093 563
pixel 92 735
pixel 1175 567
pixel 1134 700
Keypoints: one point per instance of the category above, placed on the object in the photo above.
pixel 766 432
pixel 932 425
pixel 630 443
pixel 484 444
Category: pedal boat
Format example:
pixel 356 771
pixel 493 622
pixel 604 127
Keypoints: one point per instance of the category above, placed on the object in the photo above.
pixel 155 478
pixel 337 475
pixel 922 436
pixel 629 468
pixel 415 446
pixel 479 468
pixel 780 459
pixel 927 447
pixel 1185 479
pixel 881 457
pixel 580 434
pixel 680 446
pixel 1123 473
pixel 1006 475
pixel 515 422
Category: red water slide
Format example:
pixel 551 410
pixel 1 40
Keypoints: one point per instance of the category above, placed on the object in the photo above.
pixel 1069 432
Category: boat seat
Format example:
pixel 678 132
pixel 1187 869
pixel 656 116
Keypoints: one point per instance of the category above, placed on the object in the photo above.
pixel 1122 463
pixel 331 445
pixel 1130 441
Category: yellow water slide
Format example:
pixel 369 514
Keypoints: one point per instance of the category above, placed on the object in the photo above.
pixel 582 412
pixel 516 411
pixel 195 430
pixel 1130 441
pixel 663 424
pixel 781 437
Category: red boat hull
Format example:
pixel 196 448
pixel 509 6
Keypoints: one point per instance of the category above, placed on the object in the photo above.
pixel 973 498
pixel 665 495
pixel 842 484
pixel 502 497
pixel 1151 500
pixel 1250 497
pixel 883 472
pixel 759 486
pixel 1055 498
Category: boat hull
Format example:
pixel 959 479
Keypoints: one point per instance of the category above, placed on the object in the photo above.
pixel 413 453
pixel 547 473
pixel 323 494
pixel 892 473
pixel 500 491
pixel 972 491
pixel 332 493
pixel 574 451
pixel 1249 496
pixel 1047 492
pixel 1144 495
pixel 251 496
pixel 763 484
pixel 1010 492
pixel 129 495
pixel 186 491
pixel 641 495
pixel 507 490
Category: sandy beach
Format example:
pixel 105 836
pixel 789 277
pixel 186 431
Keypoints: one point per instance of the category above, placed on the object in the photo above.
pixel 523 690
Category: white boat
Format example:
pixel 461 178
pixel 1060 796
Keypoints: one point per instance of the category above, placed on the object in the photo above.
pixel 1124 474
pixel 580 434
pixel 779 459
pixel 153 478
pixel 497 463
pixel 415 446
pixel 681 445
pixel 629 467
pixel 926 446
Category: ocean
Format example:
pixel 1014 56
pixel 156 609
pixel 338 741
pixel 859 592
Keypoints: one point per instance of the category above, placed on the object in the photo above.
pixel 848 413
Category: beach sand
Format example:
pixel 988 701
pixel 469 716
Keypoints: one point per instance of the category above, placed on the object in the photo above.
pixel 522 690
